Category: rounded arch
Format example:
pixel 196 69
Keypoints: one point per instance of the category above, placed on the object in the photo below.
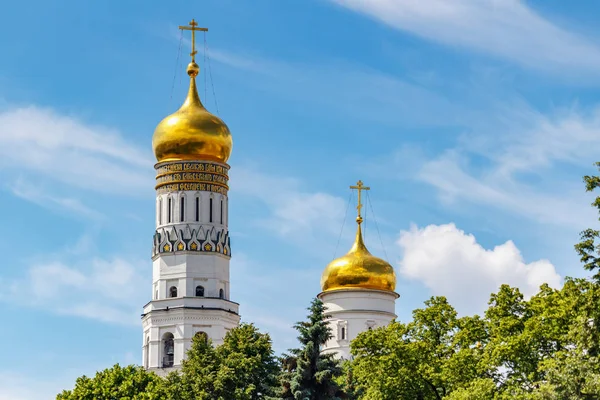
pixel 197 206
pixel 173 291
pixel 170 207
pixel 201 335
pixel 168 350
pixel 147 352
pixel 182 207
pixel 160 210
pixel 211 207
pixel 221 293
pixel 199 291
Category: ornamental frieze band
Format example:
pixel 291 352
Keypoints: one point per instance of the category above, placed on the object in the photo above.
pixel 197 187
pixel 197 239
pixel 193 176
pixel 191 166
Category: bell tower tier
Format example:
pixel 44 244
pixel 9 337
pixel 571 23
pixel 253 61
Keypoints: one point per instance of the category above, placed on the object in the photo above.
pixel 191 292
pixel 190 252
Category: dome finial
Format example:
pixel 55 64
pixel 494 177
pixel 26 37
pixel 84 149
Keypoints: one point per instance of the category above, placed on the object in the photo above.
pixel 359 187
pixel 192 133
pixel 359 269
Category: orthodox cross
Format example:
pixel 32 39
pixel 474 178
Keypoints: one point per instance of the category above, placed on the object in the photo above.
pixel 359 187
pixel 193 26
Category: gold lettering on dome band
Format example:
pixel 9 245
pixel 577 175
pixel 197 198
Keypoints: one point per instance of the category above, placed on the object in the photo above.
pixel 194 176
pixel 196 187
pixel 192 167
pixel 191 177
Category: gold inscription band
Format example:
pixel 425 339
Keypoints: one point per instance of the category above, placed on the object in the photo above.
pixel 197 187
pixel 192 175
pixel 191 167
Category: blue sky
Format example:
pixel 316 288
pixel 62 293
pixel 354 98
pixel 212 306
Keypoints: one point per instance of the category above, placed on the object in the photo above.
pixel 472 122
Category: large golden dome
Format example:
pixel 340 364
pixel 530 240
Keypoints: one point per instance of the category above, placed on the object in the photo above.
pixel 192 133
pixel 358 269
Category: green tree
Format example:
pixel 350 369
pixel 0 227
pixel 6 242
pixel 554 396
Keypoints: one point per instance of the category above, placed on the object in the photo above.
pixel 309 374
pixel 588 249
pixel 242 368
pixel 130 382
pixel 425 359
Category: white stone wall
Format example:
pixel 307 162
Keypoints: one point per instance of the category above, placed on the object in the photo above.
pixel 186 314
pixel 352 311
pixel 220 204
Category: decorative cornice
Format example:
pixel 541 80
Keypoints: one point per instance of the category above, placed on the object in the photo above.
pixel 195 239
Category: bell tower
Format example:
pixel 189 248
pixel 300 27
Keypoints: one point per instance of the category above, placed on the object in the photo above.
pixel 191 249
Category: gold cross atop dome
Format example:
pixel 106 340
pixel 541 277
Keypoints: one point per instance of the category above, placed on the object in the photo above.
pixel 193 26
pixel 358 269
pixel 192 132
pixel 359 187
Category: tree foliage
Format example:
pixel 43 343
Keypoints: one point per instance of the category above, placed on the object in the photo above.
pixel 541 348
pixel 242 368
pixel 309 374
pixel 129 382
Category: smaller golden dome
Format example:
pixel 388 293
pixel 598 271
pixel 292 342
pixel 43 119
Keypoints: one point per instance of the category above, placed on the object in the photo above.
pixel 358 269
pixel 192 133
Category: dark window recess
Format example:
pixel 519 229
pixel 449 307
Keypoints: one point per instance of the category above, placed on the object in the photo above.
pixel 169 210
pixel 182 209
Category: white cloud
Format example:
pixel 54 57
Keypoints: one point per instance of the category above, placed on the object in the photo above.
pixel 292 210
pixel 110 291
pixel 451 263
pixel 41 142
pixel 504 28
pixel 523 162
pixel 345 90
pixel 35 194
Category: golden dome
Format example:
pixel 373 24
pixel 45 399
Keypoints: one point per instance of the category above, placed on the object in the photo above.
pixel 192 133
pixel 358 269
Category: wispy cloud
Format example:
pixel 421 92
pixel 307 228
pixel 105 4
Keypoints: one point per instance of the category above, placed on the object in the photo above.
pixel 43 143
pixel 346 90
pixel 518 160
pixel 109 290
pixel 35 194
pixel 292 208
pixel 508 29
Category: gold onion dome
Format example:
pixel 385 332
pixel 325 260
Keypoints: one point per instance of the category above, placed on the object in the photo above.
pixel 192 133
pixel 358 269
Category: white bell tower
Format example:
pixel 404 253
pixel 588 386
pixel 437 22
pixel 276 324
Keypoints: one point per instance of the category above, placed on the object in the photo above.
pixel 191 248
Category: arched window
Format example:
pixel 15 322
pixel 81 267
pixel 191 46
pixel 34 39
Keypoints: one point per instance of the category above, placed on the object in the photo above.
pixel 156 294
pixel 200 291
pixel 221 294
pixel 173 291
pixel 169 210
pixel 168 350
pixel 343 334
pixel 182 209
pixel 201 335
pixel 210 210
pixel 160 204
pixel 197 209
pixel 147 352
pixel 221 212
